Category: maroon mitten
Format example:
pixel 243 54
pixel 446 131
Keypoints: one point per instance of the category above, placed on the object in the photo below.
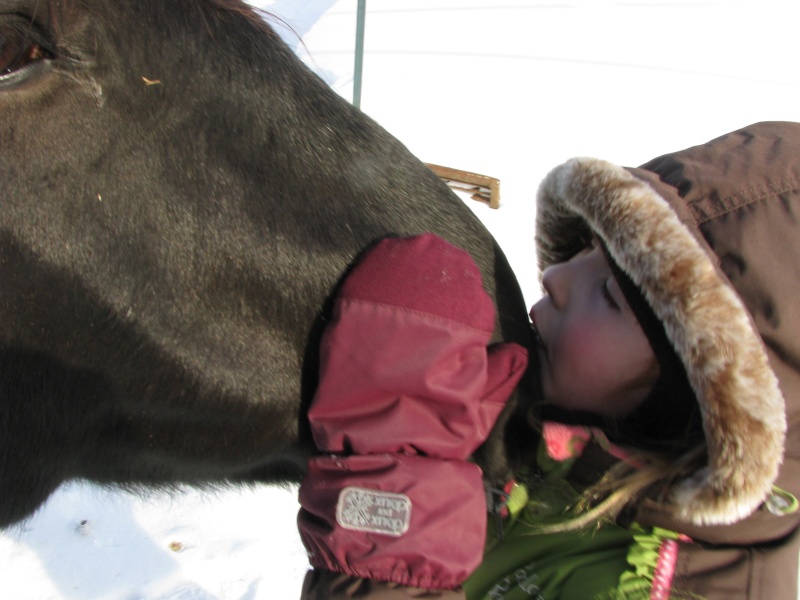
pixel 404 363
pixel 407 392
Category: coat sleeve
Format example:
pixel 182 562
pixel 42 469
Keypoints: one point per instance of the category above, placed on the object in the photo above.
pixel 321 584
pixel 727 572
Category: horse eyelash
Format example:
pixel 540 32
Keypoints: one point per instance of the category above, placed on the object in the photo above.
pixel 32 36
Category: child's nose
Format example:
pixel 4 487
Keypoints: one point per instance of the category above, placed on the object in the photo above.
pixel 556 283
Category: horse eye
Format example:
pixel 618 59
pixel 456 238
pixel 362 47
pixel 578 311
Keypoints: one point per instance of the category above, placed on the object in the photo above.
pixel 19 50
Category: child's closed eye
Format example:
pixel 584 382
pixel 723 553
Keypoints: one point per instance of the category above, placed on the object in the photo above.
pixel 608 296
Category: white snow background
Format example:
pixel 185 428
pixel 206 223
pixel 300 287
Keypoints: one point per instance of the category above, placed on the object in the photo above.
pixel 509 89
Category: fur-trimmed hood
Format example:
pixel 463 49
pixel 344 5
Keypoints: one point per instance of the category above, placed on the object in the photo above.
pixel 711 235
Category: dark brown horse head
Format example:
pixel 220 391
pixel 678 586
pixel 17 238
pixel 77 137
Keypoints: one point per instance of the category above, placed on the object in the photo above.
pixel 179 198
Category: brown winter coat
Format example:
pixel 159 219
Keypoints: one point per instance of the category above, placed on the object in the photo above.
pixel 735 201
pixel 712 236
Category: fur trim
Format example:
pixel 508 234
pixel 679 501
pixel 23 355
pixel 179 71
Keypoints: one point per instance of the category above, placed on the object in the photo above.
pixel 725 359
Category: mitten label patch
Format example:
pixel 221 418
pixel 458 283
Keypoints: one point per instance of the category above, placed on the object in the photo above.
pixel 362 509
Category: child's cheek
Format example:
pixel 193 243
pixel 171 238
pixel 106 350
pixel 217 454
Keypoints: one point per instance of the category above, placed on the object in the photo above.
pixel 585 352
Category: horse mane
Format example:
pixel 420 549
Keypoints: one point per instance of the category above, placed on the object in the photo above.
pixel 256 16
pixel 259 18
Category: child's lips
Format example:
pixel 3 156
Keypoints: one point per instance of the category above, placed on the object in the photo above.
pixel 536 333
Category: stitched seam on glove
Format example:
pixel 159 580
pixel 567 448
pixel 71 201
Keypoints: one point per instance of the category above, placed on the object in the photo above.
pixel 422 314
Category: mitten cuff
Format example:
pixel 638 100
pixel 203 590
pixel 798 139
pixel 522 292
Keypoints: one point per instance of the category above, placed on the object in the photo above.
pixel 412 520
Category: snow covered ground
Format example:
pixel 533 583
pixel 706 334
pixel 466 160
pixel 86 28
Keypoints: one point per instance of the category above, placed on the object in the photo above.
pixel 507 88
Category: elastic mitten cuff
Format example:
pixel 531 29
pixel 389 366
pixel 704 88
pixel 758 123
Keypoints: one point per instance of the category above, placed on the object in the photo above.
pixel 412 520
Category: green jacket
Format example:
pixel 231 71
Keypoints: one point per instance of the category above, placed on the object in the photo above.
pixel 608 562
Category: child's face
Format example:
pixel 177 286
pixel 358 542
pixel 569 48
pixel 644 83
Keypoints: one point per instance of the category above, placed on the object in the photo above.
pixel 594 355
